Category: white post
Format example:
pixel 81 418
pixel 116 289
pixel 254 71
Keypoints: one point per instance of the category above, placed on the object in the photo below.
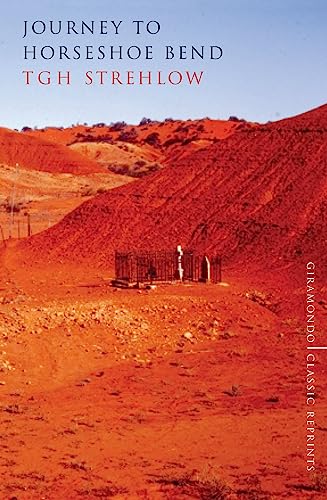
pixel 207 276
pixel 180 270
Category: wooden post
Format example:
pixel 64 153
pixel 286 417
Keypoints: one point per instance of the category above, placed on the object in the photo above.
pixel 29 232
pixel 3 237
pixel 220 270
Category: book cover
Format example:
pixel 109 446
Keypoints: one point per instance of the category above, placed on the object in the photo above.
pixel 163 250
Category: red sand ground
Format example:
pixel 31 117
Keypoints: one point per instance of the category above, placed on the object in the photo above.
pixel 103 395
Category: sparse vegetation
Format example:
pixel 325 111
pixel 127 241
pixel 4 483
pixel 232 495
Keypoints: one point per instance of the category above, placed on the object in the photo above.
pixel 102 190
pixel 204 486
pixel 233 391
pixel 153 139
pixel 173 140
pixel 88 191
pixel 189 139
pixel 145 121
pixel 320 482
pixel 103 492
pixel 128 136
pixel 9 206
pixel 235 119
pixel 99 125
pixel 273 399
pixel 117 126
pixel 182 128
pixel 140 168
pixel 88 137
pixel 252 490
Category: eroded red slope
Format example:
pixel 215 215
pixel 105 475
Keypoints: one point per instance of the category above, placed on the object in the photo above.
pixel 259 195
pixel 33 153
pixel 120 145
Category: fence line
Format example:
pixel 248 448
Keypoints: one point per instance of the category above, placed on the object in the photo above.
pixel 17 226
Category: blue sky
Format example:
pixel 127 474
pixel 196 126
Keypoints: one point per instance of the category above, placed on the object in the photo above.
pixel 274 62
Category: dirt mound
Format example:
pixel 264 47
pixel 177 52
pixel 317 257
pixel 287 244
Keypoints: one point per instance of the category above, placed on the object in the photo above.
pixel 36 154
pixel 258 196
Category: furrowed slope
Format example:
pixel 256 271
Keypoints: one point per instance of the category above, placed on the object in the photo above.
pixel 258 196
pixel 36 154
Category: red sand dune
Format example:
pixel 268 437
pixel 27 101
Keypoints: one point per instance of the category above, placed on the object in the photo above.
pixel 36 154
pixel 261 194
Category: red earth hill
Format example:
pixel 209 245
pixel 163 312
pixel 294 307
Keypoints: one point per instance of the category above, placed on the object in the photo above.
pixel 37 154
pixel 138 150
pixel 183 129
pixel 258 196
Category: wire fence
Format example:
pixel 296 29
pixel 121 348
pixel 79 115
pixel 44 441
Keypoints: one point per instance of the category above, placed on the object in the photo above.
pixel 18 225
